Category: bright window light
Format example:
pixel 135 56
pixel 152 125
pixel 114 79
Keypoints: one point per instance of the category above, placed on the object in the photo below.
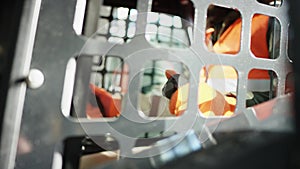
pixel 165 20
pixel 79 16
pixel 152 17
pixel 131 30
pixel 121 13
pixel 177 22
pixel 103 25
pixel 105 11
pixel 133 15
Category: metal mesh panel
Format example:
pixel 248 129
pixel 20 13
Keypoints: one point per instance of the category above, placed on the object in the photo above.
pixel 195 57
pixel 56 43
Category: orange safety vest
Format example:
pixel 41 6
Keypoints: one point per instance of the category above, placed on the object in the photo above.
pixel 110 106
pixel 229 43
pixel 210 101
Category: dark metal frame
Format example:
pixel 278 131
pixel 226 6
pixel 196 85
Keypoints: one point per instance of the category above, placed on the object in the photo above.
pixel 294 14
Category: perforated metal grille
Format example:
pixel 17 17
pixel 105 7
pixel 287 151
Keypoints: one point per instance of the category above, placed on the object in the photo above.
pixel 195 57
pixel 56 43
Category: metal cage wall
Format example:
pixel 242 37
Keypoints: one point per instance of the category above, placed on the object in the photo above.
pixel 50 42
